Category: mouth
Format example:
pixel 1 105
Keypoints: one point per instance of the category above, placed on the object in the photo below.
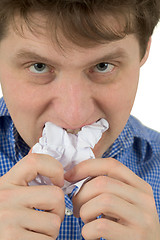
pixel 72 131
pixel 75 131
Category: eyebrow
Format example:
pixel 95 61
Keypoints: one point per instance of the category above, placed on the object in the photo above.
pixel 115 54
pixel 27 54
pixel 32 56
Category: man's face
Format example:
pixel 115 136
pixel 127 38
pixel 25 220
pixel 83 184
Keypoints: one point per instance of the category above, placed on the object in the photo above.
pixel 70 88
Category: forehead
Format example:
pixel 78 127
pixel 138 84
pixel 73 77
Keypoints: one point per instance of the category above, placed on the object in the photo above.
pixel 40 48
pixel 104 29
pixel 37 39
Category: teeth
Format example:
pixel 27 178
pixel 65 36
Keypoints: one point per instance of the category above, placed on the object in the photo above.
pixel 73 131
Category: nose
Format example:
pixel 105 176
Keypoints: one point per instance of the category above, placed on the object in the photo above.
pixel 74 104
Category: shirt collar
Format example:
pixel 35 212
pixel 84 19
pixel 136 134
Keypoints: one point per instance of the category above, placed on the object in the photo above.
pixel 11 132
pixel 134 133
pixel 19 146
pixel 3 108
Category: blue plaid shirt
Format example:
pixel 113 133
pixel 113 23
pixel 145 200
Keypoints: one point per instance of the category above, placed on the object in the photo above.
pixel 137 147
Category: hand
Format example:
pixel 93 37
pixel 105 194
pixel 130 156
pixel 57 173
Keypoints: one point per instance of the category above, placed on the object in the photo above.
pixel 18 218
pixel 124 200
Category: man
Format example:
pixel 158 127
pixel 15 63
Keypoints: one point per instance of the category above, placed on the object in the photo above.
pixel 72 63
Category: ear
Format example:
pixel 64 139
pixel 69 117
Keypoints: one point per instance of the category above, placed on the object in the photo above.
pixel 144 59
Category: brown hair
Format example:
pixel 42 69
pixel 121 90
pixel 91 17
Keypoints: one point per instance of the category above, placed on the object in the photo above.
pixel 84 22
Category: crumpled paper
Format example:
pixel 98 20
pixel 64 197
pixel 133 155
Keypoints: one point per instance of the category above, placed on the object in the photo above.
pixel 69 149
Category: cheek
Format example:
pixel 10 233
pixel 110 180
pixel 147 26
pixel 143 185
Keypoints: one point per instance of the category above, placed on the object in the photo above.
pixel 21 97
pixel 123 99
pixel 119 97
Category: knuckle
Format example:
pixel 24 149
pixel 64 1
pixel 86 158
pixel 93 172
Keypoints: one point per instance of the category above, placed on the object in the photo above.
pixel 101 226
pixel 115 163
pixel 100 182
pixel 83 214
pixel 59 195
pixel 59 171
pixel 59 205
pixel 150 201
pixel 31 160
pixel 149 188
pixel 85 232
pixel 107 201
pixel 55 223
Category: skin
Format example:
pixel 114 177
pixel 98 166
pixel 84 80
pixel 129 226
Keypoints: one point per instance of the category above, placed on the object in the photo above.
pixel 72 92
pixel 60 95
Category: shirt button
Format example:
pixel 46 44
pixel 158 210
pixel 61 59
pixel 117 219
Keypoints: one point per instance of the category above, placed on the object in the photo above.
pixel 68 212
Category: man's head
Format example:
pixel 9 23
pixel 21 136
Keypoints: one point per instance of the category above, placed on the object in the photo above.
pixel 73 62
pixel 84 21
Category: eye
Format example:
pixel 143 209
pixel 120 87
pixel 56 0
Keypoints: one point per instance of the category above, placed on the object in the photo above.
pixel 39 68
pixel 103 67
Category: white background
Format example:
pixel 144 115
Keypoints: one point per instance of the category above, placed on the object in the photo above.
pixel 147 103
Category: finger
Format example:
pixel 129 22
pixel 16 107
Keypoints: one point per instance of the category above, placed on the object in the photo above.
pixel 104 228
pixel 33 164
pixel 34 236
pixel 109 167
pixel 41 222
pixel 111 207
pixel 52 200
pixel 48 198
pixel 22 234
pixel 105 184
